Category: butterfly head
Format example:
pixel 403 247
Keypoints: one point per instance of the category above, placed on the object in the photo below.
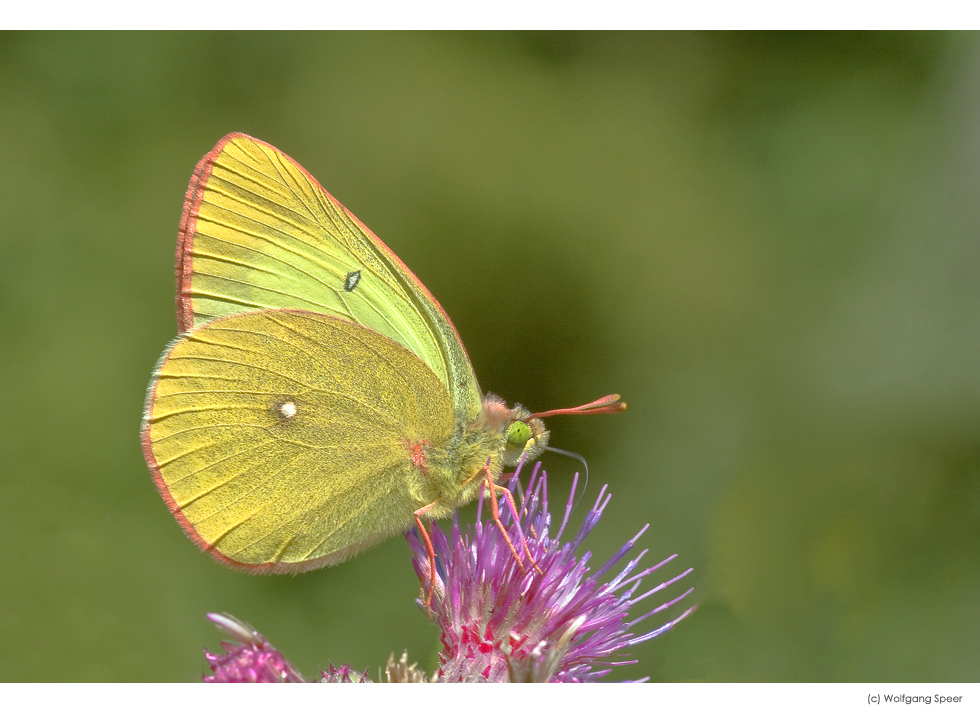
pixel 525 440
pixel 524 437
pixel 524 432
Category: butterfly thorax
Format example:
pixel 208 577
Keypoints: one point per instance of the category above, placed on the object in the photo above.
pixel 458 471
pixel 454 473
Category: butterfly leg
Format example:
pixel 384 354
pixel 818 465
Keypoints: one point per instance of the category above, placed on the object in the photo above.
pixel 495 508
pixel 432 556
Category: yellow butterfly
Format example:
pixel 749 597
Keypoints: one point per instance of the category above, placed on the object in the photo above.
pixel 318 399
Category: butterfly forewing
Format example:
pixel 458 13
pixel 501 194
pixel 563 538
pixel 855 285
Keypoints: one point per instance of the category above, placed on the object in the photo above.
pixel 258 232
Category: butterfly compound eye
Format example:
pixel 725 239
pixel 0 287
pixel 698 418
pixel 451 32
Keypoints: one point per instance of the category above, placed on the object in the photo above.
pixel 518 434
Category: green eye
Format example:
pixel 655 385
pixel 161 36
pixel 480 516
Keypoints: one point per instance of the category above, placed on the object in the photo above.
pixel 518 434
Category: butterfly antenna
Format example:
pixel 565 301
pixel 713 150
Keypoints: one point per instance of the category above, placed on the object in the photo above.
pixel 584 464
pixel 607 404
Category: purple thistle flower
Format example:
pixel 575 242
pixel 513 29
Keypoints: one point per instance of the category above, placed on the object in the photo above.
pixel 252 660
pixel 501 619
pixel 546 621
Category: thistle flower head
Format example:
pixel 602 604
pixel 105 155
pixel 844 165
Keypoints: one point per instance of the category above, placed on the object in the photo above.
pixel 545 620
pixel 250 659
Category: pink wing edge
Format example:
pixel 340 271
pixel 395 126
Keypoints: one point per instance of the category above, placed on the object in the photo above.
pixel 187 230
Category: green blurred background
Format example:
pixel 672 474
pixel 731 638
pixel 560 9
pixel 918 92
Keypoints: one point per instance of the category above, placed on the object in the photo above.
pixel 769 244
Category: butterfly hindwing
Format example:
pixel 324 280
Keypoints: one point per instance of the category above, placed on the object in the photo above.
pixel 282 440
